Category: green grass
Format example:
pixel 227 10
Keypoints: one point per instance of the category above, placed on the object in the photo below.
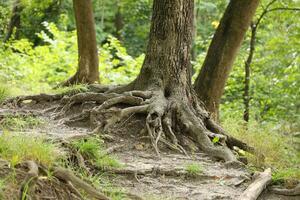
pixel 4 92
pixel 92 149
pixel 16 148
pixel 193 169
pixel 19 123
pixel 71 90
pixel 278 148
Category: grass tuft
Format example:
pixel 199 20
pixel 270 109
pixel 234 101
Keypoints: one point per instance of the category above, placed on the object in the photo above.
pixel 4 93
pixel 71 90
pixel 193 169
pixel 19 123
pixel 16 148
pixel 92 149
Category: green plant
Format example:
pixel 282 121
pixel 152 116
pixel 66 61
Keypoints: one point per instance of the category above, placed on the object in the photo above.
pixel 4 92
pixel 92 149
pixel 16 147
pixel 71 90
pixel 278 149
pixel 19 123
pixel 193 169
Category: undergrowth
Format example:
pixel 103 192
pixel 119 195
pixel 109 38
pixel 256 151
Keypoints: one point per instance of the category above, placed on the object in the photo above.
pixel 92 150
pixel 19 123
pixel 275 142
pixel 4 92
pixel 16 148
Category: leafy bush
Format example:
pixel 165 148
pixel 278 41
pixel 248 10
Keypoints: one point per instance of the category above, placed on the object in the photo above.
pixel 30 69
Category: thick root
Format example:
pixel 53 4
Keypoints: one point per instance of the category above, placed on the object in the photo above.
pixel 30 179
pixel 69 177
pixel 168 119
pixel 286 192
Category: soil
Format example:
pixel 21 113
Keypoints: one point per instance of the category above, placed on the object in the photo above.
pixel 143 173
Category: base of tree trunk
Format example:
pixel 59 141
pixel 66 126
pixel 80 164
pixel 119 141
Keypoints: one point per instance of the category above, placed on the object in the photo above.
pixel 169 121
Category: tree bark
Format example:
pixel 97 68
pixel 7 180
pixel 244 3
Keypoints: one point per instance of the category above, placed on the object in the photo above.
pixel 223 49
pixel 119 22
pixel 246 95
pixel 15 20
pixel 87 71
pixel 167 61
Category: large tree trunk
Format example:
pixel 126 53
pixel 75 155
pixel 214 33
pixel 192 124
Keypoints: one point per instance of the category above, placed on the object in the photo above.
pixel 222 52
pixel 15 21
pixel 87 71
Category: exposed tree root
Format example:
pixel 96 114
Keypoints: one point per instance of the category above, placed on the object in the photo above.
pixel 167 118
pixel 157 171
pixel 286 192
pixel 30 179
pixel 69 177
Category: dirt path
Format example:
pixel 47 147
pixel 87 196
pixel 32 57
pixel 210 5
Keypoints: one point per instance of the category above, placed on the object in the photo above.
pixel 165 178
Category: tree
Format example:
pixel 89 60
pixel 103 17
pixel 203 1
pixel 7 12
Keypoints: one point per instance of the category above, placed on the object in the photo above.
pixel 161 101
pixel 254 26
pixel 221 54
pixel 87 71
pixel 163 91
pixel 15 20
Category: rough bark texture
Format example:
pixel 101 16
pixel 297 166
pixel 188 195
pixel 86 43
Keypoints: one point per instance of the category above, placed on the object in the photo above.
pixel 88 71
pixel 225 44
pixel 167 62
pixel 15 20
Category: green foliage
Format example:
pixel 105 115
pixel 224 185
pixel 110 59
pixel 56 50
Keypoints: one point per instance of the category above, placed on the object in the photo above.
pixel 16 148
pixel 4 93
pixel 193 169
pixel 32 69
pixel 19 123
pixel 92 149
pixel 279 149
pixel 71 90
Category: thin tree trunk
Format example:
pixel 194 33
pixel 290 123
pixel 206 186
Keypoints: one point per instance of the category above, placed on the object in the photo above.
pixel 254 26
pixel 119 22
pixel 87 71
pixel 223 49
pixel 246 96
pixel 15 21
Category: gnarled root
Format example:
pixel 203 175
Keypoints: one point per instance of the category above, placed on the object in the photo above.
pixel 30 179
pixel 286 192
pixel 70 178
pixel 168 119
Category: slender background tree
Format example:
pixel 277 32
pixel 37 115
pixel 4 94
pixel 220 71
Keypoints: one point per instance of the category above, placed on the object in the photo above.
pixel 224 46
pixel 88 63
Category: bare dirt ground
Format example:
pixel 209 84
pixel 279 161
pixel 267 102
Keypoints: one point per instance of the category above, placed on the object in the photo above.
pixel 152 178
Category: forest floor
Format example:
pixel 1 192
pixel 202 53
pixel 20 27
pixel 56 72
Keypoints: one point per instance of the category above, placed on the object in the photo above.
pixel 173 176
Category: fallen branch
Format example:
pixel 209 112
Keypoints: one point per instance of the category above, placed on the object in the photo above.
pixel 259 184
